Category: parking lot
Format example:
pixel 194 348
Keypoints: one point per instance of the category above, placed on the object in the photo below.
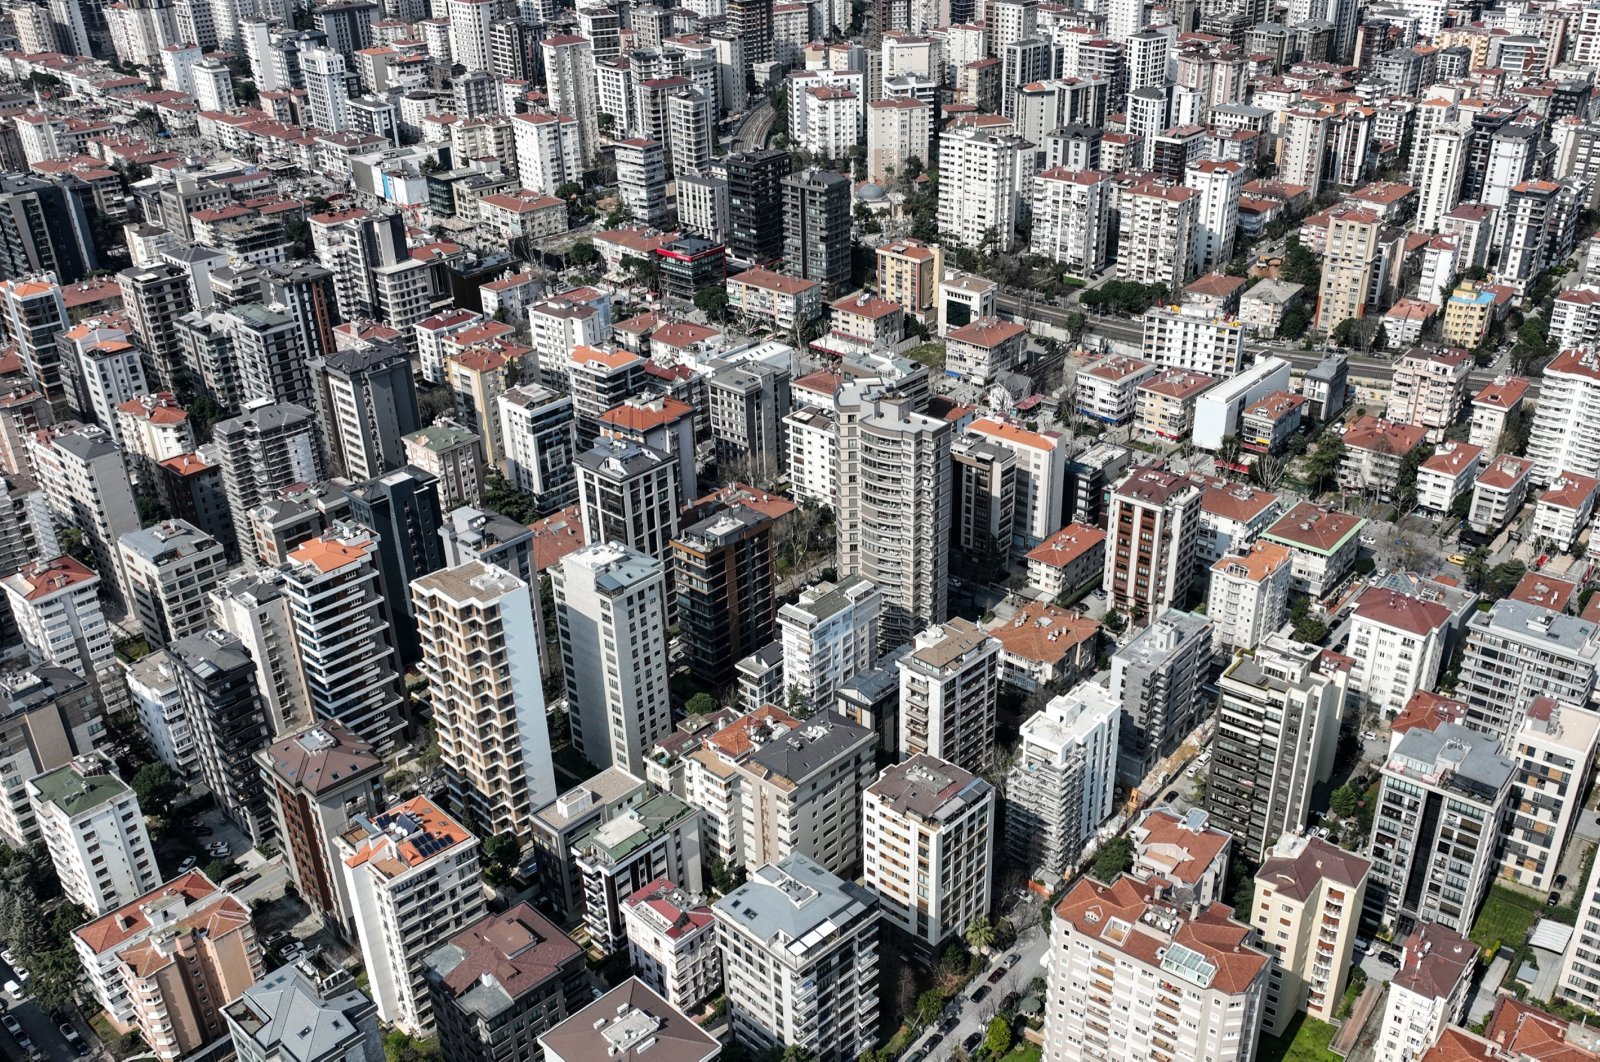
pixel 27 1031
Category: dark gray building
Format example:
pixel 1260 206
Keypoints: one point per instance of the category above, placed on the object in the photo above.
pixel 500 983
pixel 403 508
pixel 816 229
pixel 367 405
pixel 217 686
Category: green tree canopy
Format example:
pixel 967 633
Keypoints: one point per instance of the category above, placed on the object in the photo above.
pixel 583 253
pixel 1114 857
pixel 156 787
pixel 998 1040
pixel 1344 802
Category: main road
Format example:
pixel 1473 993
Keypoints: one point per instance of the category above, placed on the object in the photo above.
pixel 1130 331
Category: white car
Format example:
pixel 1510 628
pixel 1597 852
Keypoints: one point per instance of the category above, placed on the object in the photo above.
pixel 218 849
pixel 14 989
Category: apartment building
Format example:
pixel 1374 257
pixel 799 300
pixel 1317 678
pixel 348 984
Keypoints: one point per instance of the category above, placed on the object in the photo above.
pixel 344 634
pixel 1565 436
pixel 480 654
pixel 1498 493
pixel 1194 337
pixel 412 875
pixel 829 634
pixel 318 779
pixel 292 1014
pixel 269 446
pixel 1249 595
pixel 1062 785
pixel 1518 651
pixel 898 128
pixel 1374 452
pixel 170 569
pixel 86 485
pixel 801 792
pixel 723 570
pixel 537 431
pixel 1429 991
pixel 928 837
pixel 1306 907
pixel 559 823
pixel 712 780
pixel 611 616
pixel 629 1022
pixel 987 170
pixel 1447 475
pixel 1067 561
pixel 1553 753
pixel 1562 512
pixel 1187 853
pixel 1351 277
pixel 48 716
pixel 948 693
pixel 1155 242
pixel 165 963
pixel 1492 408
pixel 1109 390
pixel 1397 645
pixel 1322 543
pixel 56 605
pixel 1166 403
pixel 1429 389
pixel 1232 517
pixel 1153 527
pixel 1278 715
pixel 95 834
pixel 894 521
pixel 1266 426
pixel 985 480
pixel 1072 219
pixel 1436 832
pixel 781 302
pixel 1041 465
pixel 664 425
pixel 800 960
pixel 628 494
pixel 1156 677
pixel 500 983
pixel 659 837
pixel 672 943
pixel 983 350
pixel 453 456
pixel 1136 973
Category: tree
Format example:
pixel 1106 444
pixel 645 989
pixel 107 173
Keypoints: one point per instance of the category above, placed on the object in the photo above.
pixel 701 703
pixel 713 302
pixel 1296 319
pixel 583 254
pixel 402 1047
pixel 1300 266
pixel 1324 461
pixel 156 787
pixel 501 855
pixel 998 1041
pixel 217 870
pixel 499 495
pixel 1344 802
pixel 929 1006
pixel 1114 857
pixel 980 934
pixel 1076 323
pixel 1350 332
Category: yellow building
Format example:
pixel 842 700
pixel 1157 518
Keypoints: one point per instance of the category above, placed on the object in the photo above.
pixel 1468 315
pixel 909 272
pixel 1307 904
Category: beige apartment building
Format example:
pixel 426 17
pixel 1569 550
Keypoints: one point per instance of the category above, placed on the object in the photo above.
pixel 1308 901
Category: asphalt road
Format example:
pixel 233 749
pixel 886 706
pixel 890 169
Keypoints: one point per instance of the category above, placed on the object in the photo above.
pixel 1030 948
pixel 1131 331
pixel 38 1026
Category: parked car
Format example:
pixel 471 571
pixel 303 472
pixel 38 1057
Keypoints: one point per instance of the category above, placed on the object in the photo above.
pixel 74 1041
pixel 994 978
pixel 10 1022
pixel 187 865
pixel 970 1044
pixel 1011 960
pixel 980 994
pixel 1554 900
pixel 219 849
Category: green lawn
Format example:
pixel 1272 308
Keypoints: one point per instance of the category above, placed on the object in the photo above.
pixel 1506 918
pixel 1306 1040
pixel 1022 1053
